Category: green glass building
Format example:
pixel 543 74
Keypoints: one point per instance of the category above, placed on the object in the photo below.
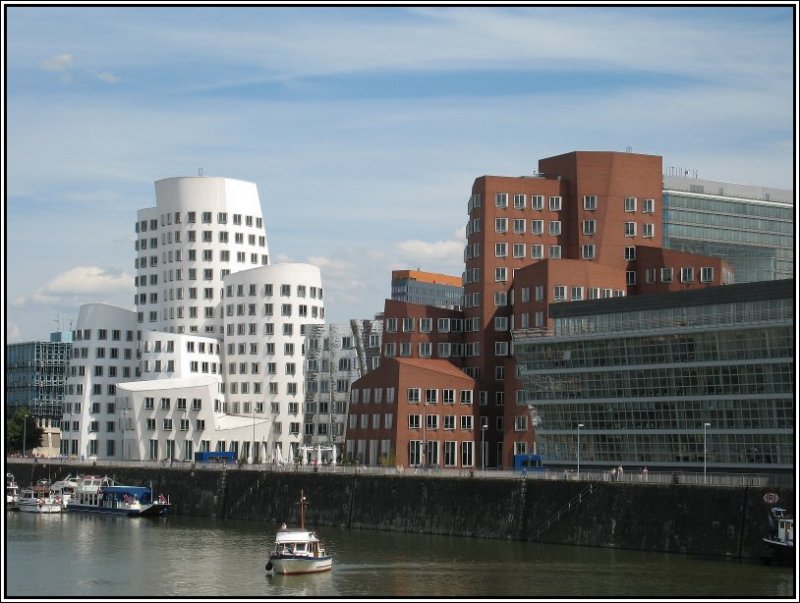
pixel 696 380
pixel 751 227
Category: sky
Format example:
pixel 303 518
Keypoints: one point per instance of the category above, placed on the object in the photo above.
pixel 363 127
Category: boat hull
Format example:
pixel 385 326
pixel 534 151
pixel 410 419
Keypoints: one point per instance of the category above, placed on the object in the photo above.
pixel 298 565
pixel 778 553
pixel 151 510
pixel 46 507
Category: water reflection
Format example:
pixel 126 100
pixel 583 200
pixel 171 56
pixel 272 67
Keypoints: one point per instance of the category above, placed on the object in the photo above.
pixel 193 557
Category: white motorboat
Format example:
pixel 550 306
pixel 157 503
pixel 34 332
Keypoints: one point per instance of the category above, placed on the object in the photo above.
pixel 95 494
pixel 12 491
pixel 297 550
pixel 37 500
pixel 65 489
pixel 780 541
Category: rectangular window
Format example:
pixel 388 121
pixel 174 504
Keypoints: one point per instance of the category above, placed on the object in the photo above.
pixel 707 274
pixel 630 253
pixel 413 395
pixel 630 229
pixel 537 201
pixel 559 293
pixel 519 226
pixel 466 422
pixel 630 204
pixel 576 293
pixel 687 275
pixel 501 225
pixel 630 277
pixel 519 201
pixel 555 203
pixel 448 396
pixel 554 252
pixel 537 252
pixel 666 275
pixel 537 227
pixel 501 200
pixel 590 202
pixel 648 206
pixel 589 227
pixel 500 274
pixel 649 229
pixel 650 275
pixel 500 250
pixel 587 252
pixel 519 250
pixel 554 228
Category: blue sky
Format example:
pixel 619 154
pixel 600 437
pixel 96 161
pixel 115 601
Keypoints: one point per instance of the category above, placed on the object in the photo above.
pixel 363 128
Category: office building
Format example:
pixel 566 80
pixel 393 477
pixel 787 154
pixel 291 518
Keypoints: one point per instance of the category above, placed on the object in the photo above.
pixel 427 288
pixel 212 357
pixel 701 380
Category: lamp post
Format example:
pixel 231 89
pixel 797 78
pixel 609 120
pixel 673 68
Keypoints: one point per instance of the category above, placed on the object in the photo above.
pixel 579 449
pixel 252 446
pixel 705 456
pixel 24 432
pixel 484 427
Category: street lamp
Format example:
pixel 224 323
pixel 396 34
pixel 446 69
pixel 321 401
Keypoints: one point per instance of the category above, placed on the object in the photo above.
pixel 579 449
pixel 24 432
pixel 705 456
pixel 484 427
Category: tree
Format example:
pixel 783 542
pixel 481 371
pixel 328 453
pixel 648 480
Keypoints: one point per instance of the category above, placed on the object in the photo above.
pixel 23 423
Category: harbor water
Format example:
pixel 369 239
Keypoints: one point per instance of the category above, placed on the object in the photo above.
pixel 78 555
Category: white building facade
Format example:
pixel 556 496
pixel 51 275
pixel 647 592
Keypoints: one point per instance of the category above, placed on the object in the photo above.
pixel 212 357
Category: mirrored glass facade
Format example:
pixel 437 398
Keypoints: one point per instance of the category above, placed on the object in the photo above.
pixel 643 376
pixel 750 227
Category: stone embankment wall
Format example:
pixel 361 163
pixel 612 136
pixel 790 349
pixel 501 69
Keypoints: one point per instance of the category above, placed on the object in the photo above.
pixel 694 520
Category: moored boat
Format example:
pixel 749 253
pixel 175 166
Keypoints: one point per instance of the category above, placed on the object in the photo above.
pixel 95 494
pixel 37 500
pixel 12 491
pixel 780 541
pixel 297 550
pixel 65 489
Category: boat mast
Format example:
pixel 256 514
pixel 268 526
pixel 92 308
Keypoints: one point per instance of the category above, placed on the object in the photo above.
pixel 302 510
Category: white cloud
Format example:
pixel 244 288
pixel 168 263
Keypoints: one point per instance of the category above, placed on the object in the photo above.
pixel 82 283
pixel 13 333
pixel 60 62
pixel 437 254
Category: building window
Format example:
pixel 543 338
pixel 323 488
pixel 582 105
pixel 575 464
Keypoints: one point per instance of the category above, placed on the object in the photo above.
pixel 466 396
pixel 630 229
pixel 589 227
pixel 707 274
pixel 414 421
pixel 630 277
pixel 666 275
pixel 650 275
pixel 648 206
pixel 555 203
pixel 501 348
pixel 554 228
pixel 630 204
pixel 576 293
pixel 537 252
pixel 520 423
pixel 630 253
pixel 519 250
pixel 648 231
pixel 501 225
pixel 501 200
pixel 590 202
pixel 500 274
pixel 466 422
pixel 500 250
pixel 519 201
pixel 554 252
pixel 587 252
pixel 559 293
pixel 537 201
pixel 537 227
pixel 519 226
pixel 413 395
pixel 687 274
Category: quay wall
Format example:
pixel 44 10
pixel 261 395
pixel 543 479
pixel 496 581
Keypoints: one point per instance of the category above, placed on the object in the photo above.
pixel 722 521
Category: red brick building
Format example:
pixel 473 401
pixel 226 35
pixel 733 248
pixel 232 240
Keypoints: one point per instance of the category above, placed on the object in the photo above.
pixel 588 225
pixel 410 412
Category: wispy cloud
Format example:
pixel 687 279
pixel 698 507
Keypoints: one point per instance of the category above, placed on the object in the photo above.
pixel 363 128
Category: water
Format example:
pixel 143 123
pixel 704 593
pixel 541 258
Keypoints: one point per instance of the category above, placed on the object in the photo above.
pixel 70 555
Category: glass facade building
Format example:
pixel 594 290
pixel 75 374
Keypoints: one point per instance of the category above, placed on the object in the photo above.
pixel 751 227
pixel 36 376
pixel 680 381
pixel 427 288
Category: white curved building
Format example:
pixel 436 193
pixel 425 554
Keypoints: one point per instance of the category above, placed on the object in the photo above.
pixel 213 356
